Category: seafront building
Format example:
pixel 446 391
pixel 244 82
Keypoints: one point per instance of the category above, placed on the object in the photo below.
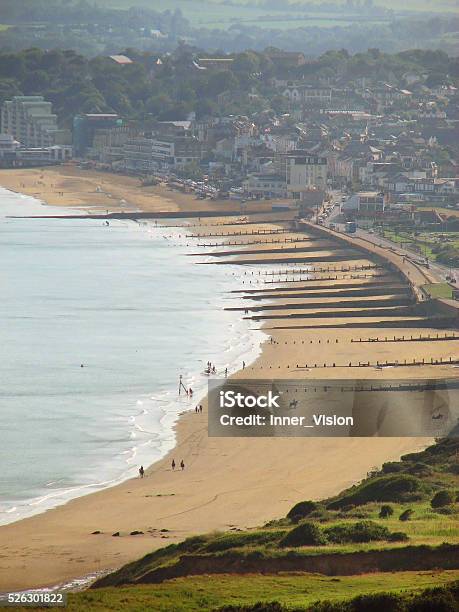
pixel 147 153
pixel 30 120
pixel 365 203
pixel 8 147
pixel 30 135
pixel 265 186
pixel 87 126
pixel 304 172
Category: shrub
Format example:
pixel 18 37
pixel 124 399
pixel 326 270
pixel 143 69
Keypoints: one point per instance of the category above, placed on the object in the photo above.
pixel 398 536
pixel 352 512
pixel 192 543
pixel 302 510
pixel 422 470
pixel 392 466
pixel 321 514
pixel 434 600
pixel 447 510
pixel 363 531
pixel 406 515
pixel 391 488
pixel 262 606
pixel 230 540
pixel 306 534
pixel 442 498
pixel 386 511
pixel 377 602
pixel 439 599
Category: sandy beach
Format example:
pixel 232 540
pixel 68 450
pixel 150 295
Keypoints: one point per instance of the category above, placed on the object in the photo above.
pixel 232 482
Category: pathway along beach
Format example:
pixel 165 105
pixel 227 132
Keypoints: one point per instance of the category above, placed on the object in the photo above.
pixel 232 482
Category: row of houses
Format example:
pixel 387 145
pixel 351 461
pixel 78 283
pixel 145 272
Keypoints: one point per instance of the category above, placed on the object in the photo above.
pixel 361 135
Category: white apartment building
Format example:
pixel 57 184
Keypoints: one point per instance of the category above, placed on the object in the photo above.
pixel 308 95
pixel 265 186
pixel 30 120
pixel 304 173
pixel 8 146
pixel 141 153
pixel 365 203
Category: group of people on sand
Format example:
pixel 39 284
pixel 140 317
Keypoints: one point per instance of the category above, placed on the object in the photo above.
pixel 198 408
pixel 211 368
pixel 182 464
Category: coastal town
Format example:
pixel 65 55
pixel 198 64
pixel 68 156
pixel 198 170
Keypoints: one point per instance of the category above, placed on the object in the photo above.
pixel 380 153
pixel 308 209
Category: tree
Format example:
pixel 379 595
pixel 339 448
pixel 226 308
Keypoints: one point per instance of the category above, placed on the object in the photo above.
pixel 386 511
pixel 8 89
pixel 220 82
pixel 247 62
pixel 12 66
pixel 158 104
pixel 441 499
pixel 301 510
pixel 204 108
pixel 307 534
pixel 406 515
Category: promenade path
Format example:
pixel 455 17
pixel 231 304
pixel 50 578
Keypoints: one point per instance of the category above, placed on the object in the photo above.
pixel 415 274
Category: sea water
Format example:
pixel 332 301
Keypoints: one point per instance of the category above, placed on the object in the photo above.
pixel 125 302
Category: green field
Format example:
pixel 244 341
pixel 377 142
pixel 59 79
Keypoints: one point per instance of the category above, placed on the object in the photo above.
pixel 439 290
pixel 215 14
pixel 428 244
pixel 205 593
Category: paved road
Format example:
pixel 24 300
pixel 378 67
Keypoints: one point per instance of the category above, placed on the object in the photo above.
pixel 436 272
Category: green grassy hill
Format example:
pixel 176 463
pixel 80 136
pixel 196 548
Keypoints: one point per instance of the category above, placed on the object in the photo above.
pixel 380 542
pixel 397 531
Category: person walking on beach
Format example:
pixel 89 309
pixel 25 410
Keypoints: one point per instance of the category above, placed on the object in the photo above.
pixel 200 407
pixel 173 464
pixel 182 465
pixel 243 365
pixel 141 471
pixel 226 372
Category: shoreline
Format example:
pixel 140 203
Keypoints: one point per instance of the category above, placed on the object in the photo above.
pixel 249 351
pixel 228 483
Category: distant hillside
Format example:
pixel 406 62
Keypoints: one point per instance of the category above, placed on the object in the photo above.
pixel 230 25
pixel 282 5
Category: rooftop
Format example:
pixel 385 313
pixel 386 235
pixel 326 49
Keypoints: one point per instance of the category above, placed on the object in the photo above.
pixel 121 59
